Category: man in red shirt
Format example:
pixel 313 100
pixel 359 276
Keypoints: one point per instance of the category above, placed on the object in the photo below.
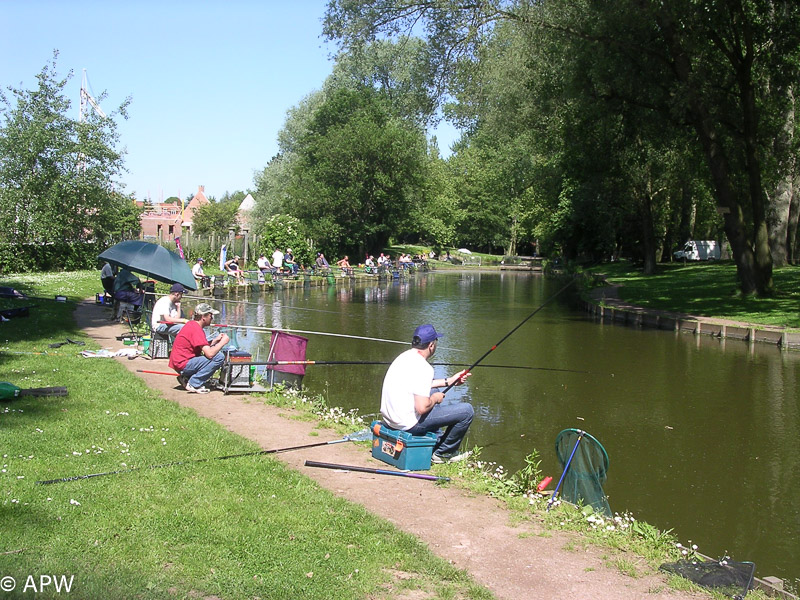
pixel 193 355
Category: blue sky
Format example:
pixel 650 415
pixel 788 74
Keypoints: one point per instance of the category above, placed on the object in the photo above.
pixel 210 82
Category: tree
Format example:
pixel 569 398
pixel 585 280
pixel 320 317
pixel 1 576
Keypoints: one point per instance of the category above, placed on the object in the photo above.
pixel 217 217
pixel 282 232
pixel 722 70
pixel 358 171
pixel 56 174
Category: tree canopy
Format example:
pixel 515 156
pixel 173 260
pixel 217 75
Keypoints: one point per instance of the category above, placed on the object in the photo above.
pixel 58 175
pixel 602 127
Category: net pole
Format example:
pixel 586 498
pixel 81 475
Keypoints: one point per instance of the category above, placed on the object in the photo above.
pixel 566 468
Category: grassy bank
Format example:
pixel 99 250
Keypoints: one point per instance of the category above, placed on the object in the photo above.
pixel 708 289
pixel 254 529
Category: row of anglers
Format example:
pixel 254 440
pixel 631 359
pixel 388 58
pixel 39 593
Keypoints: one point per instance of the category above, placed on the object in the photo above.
pixel 285 263
pixel 411 398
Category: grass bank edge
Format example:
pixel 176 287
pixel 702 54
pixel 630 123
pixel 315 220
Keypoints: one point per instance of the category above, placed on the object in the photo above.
pixel 707 289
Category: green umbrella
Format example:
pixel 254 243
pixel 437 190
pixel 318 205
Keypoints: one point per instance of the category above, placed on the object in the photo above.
pixel 152 260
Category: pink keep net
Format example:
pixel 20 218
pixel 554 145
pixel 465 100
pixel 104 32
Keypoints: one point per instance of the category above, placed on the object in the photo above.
pixel 285 346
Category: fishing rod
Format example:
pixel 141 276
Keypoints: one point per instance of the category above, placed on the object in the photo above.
pixel 366 362
pixel 355 337
pixel 266 305
pixel 311 463
pixel 359 436
pixel 506 336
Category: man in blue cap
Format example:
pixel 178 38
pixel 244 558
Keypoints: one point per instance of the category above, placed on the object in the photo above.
pixel 167 317
pixel 408 403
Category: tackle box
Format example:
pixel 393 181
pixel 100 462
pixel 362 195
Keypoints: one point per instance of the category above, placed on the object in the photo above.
pixel 234 373
pixel 400 449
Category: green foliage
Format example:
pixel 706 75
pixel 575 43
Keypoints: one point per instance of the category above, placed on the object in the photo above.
pixel 359 170
pixel 55 256
pixel 57 174
pixel 648 110
pixel 217 217
pixel 285 231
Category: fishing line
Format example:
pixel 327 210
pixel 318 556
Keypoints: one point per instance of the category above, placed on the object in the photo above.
pixel 506 336
pixel 265 304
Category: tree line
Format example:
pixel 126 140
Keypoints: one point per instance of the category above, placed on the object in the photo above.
pixel 591 130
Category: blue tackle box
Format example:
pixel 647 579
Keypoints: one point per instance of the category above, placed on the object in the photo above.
pixel 400 449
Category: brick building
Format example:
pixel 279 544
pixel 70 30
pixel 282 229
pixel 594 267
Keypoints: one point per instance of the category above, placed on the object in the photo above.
pixel 167 220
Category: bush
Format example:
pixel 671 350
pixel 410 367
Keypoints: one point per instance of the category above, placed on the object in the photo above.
pixel 52 256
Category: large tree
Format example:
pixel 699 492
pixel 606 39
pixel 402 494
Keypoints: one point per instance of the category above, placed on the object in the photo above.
pixel 358 171
pixel 722 69
pixel 57 175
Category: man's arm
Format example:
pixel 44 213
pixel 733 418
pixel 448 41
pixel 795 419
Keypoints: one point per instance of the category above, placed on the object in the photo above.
pixel 174 320
pixel 210 351
pixel 424 404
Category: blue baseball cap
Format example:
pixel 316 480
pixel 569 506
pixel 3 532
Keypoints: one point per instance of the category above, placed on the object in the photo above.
pixel 426 334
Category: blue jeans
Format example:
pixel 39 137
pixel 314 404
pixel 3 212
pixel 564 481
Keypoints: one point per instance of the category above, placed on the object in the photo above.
pixel 170 330
pixel 200 369
pixel 455 418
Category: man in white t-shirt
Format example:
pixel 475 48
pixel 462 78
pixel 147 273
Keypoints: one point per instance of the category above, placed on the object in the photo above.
pixel 199 274
pixel 277 259
pixel 407 401
pixel 167 313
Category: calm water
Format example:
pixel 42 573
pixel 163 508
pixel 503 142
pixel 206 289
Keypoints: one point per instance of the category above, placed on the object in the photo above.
pixel 702 434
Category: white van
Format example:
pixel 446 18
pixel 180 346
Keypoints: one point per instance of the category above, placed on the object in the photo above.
pixel 698 250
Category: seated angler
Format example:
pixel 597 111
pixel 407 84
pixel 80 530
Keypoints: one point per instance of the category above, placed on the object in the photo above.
pixel 233 269
pixel 289 262
pixel 264 265
pixel 344 265
pixel 408 403
pixel 167 317
pixel 193 355
pixel 203 281
pixel 322 263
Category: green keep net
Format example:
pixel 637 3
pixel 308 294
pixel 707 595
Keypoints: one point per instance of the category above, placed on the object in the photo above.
pixel 582 483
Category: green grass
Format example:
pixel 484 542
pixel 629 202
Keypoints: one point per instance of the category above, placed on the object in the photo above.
pixel 250 528
pixel 709 290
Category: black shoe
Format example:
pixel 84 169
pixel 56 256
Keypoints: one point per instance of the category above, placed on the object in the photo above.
pixel 183 381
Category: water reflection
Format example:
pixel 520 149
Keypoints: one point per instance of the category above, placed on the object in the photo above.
pixel 701 432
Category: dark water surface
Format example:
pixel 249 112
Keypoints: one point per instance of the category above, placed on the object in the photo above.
pixel 703 435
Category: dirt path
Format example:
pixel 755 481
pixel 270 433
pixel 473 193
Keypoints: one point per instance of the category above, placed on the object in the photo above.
pixel 473 533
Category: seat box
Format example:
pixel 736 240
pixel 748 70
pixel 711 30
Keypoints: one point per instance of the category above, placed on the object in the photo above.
pixel 400 449
pixel 237 375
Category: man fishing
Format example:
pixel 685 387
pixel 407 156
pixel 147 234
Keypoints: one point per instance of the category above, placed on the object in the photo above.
pixel 193 355
pixel 408 403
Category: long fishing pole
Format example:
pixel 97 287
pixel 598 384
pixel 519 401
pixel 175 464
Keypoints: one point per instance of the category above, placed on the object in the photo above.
pixel 311 463
pixel 506 336
pixel 354 337
pixel 266 305
pixel 365 362
pixel 359 436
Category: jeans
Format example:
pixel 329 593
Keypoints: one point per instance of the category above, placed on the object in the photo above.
pixel 200 369
pixel 170 330
pixel 455 418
